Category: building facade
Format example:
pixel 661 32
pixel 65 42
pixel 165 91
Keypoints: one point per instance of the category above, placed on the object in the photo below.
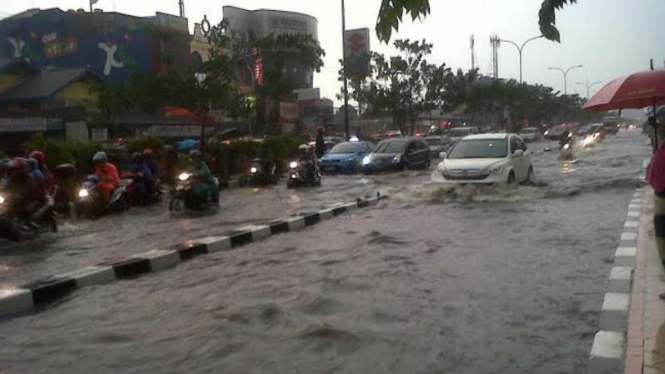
pixel 264 22
pixel 113 45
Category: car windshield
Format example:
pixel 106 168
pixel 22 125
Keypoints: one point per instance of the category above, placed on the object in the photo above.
pixel 433 141
pixel 456 133
pixel 528 131
pixel 391 147
pixel 479 148
pixel 350 147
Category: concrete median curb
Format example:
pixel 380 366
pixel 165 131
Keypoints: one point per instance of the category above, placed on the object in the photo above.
pixel 613 341
pixel 40 295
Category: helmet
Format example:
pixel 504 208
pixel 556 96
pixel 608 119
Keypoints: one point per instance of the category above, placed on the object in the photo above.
pixel 33 163
pixel 303 147
pixel 100 157
pixel 39 156
pixel 195 154
pixel 148 152
pixel 137 156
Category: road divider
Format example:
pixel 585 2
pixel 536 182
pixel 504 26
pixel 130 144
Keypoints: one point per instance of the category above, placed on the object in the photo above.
pixel 37 296
pixel 611 342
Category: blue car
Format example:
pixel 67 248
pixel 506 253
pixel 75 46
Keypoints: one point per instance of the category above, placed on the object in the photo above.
pixel 345 157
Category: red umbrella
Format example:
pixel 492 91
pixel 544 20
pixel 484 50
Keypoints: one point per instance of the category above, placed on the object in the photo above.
pixel 635 91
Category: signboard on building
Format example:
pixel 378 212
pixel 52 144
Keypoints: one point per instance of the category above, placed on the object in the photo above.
pixel 99 134
pixel 175 131
pixel 357 50
pixel 289 111
pixel 22 124
pixel 307 94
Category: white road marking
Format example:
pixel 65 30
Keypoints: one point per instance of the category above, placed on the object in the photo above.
pixel 632 224
pixel 634 206
pixel 628 236
pixel 626 252
pixel 633 214
pixel 616 301
pixel 608 344
pixel 621 273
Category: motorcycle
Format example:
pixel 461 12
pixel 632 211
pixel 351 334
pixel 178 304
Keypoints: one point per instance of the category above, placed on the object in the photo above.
pixel 182 197
pixel 132 191
pixel 302 174
pixel 566 152
pixel 262 173
pixel 16 228
pixel 66 193
pixel 89 203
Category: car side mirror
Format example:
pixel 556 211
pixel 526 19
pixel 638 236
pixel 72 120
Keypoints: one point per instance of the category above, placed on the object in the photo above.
pixel 443 154
pixel 518 153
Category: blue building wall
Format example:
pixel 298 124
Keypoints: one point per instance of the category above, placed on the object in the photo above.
pixel 113 45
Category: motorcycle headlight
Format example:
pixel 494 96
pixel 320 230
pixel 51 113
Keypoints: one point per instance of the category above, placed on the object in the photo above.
pixel 253 170
pixel 547 132
pixel 397 159
pixel 83 193
pixel 293 165
pixel 2 200
pixel 566 147
pixel 294 176
pixel 367 160
pixel 183 177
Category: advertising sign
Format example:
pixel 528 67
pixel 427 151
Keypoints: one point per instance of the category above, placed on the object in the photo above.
pixel 175 131
pixel 357 50
pixel 22 124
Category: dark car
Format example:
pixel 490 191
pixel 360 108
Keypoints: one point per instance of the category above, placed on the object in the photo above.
pixel 611 127
pixel 397 154
pixel 555 133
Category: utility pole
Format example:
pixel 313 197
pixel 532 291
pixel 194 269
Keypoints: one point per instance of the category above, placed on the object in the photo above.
pixel 588 86
pixel 473 53
pixel 565 76
pixel 520 49
pixel 181 3
pixel 346 80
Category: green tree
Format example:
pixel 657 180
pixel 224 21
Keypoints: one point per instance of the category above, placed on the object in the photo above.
pixel 392 12
pixel 406 85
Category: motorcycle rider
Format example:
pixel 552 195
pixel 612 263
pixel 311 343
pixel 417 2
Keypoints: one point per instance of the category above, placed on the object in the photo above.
pixel 309 161
pixel 144 182
pixel 566 138
pixel 204 187
pixel 149 158
pixel 267 160
pixel 26 190
pixel 49 179
pixel 109 180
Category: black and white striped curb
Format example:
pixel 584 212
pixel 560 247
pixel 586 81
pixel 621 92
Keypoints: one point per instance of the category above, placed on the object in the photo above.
pixel 610 342
pixel 39 295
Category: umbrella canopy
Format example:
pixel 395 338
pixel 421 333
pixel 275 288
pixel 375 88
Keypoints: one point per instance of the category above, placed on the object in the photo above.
pixel 186 145
pixel 636 91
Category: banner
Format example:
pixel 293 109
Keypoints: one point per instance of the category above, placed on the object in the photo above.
pixel 357 50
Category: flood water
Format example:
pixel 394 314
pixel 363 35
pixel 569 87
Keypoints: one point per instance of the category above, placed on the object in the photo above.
pixel 436 279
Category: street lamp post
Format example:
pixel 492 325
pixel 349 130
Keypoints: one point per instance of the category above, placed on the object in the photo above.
pixel 520 49
pixel 565 76
pixel 588 86
pixel 346 79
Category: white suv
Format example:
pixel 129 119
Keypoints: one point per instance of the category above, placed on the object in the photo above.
pixel 487 158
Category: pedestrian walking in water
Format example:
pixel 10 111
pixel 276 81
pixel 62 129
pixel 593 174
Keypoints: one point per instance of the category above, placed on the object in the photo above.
pixel 320 143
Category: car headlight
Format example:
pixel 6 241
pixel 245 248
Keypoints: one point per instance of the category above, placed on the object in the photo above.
pixel 183 177
pixel 367 160
pixel 83 193
pixel 2 200
pixel 497 169
pixel 253 170
pixel 397 159
pixel 293 165
pixel 588 140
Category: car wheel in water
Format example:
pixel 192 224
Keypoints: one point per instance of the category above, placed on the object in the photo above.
pixel 176 204
pixel 529 177
pixel 428 164
pixel 511 178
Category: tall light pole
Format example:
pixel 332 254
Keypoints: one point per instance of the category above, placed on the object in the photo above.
pixel 588 86
pixel 520 49
pixel 565 76
pixel 346 80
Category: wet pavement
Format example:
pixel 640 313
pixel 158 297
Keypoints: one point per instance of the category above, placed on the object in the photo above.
pixel 436 279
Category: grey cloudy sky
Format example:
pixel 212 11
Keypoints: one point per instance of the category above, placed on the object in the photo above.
pixel 610 38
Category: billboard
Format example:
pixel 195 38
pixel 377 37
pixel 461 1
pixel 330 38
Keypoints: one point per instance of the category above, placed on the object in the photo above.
pixel 357 51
